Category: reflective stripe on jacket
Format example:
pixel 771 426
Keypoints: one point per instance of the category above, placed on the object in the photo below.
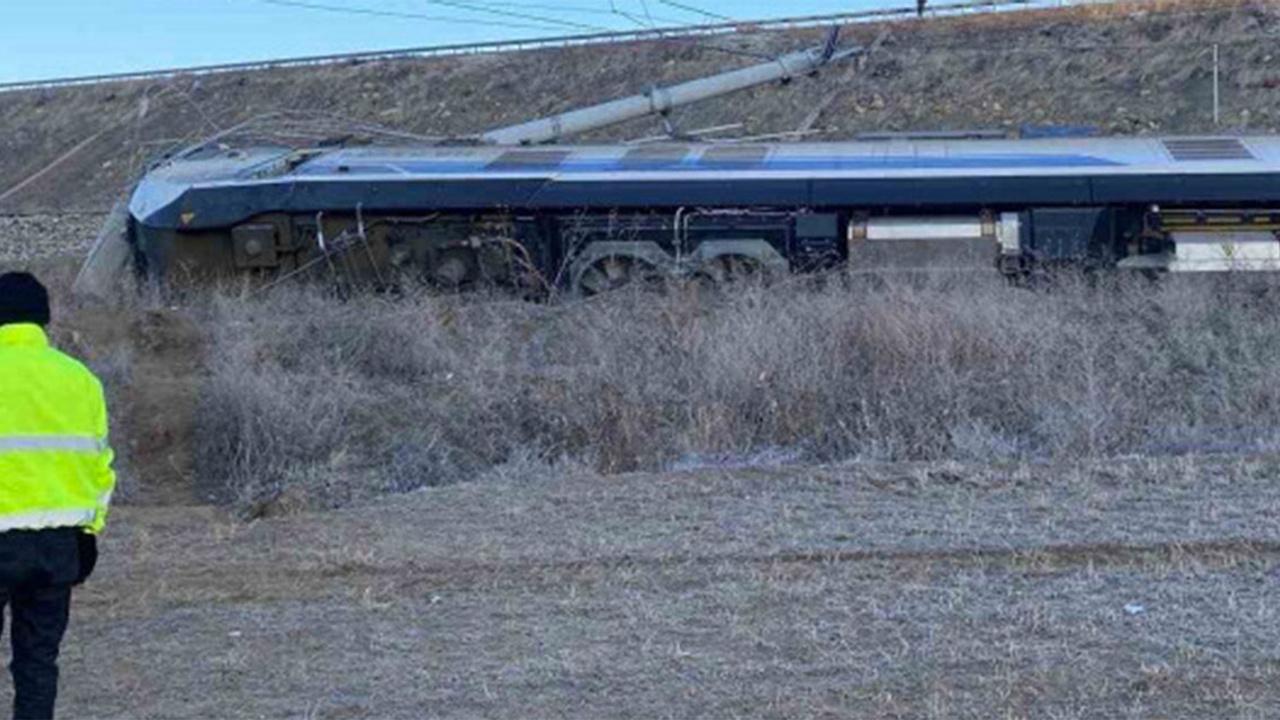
pixel 55 463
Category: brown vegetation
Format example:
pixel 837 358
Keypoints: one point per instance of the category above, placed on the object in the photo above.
pixel 296 399
pixel 878 499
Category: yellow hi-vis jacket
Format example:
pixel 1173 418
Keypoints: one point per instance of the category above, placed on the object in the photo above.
pixel 55 464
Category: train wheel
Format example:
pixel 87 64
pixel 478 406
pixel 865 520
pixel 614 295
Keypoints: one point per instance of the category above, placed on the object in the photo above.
pixel 616 272
pixel 733 271
pixel 454 268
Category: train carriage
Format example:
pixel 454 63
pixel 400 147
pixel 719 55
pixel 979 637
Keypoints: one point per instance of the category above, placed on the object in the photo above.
pixel 591 218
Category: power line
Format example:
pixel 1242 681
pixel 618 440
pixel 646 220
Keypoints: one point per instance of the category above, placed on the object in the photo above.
pixel 482 8
pixel 645 4
pixel 347 9
pixel 696 11
pixel 683 32
pixel 581 9
pixel 613 10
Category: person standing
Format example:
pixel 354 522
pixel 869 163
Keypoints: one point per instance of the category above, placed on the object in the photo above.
pixel 55 488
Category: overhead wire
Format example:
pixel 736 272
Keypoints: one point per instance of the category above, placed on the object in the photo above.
pixel 695 10
pixel 1098 86
pixel 614 10
pixel 577 9
pixel 499 9
pixel 481 7
pixel 493 6
pixel 350 10
pixel 648 22
pixel 645 5
pixel 910 47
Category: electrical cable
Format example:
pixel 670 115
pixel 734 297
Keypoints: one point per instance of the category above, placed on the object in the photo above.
pixel 696 11
pixel 579 9
pixel 347 9
pixel 613 10
pixel 645 5
pixel 481 8
pixel 489 7
pixel 1125 14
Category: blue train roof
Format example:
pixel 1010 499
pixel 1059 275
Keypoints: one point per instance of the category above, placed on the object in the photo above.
pixel 219 187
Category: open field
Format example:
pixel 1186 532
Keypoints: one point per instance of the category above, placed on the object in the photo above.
pixel 873 591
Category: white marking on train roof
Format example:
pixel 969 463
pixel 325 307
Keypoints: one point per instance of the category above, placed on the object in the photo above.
pixel 1231 167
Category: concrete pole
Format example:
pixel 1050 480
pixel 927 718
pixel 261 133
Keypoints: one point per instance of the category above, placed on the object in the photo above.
pixel 658 101
pixel 1216 114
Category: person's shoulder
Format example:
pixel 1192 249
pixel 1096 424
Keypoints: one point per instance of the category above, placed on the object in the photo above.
pixel 71 366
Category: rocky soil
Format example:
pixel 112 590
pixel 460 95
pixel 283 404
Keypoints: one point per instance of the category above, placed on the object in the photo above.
pixel 31 239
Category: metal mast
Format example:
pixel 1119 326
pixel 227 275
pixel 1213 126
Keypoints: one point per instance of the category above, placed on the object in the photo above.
pixel 660 101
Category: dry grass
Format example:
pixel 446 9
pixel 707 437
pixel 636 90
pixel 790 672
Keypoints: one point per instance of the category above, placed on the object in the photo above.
pixel 897 581
pixel 314 402
pixel 295 400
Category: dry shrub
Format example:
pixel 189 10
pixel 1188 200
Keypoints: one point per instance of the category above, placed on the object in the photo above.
pixel 342 399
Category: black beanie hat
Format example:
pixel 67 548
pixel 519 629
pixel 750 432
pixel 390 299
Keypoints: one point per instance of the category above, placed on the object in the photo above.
pixel 23 299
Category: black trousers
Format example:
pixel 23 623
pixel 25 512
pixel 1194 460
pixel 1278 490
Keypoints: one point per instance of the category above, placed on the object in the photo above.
pixel 37 570
pixel 38 620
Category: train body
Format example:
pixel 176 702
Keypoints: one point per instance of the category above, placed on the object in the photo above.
pixel 592 218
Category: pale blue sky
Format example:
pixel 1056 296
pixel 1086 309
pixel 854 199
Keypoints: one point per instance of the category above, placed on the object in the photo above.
pixel 55 38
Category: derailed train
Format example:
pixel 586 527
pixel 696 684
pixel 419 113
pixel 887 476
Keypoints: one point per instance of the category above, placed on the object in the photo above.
pixel 593 218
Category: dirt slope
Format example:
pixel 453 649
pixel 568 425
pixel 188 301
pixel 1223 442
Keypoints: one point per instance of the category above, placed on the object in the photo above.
pixel 1126 70
pixel 908 591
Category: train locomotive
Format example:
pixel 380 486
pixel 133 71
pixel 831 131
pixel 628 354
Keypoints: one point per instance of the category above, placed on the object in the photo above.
pixel 589 219
pixel 515 207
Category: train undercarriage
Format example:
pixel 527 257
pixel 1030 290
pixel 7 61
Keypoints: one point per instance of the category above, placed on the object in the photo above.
pixel 589 253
